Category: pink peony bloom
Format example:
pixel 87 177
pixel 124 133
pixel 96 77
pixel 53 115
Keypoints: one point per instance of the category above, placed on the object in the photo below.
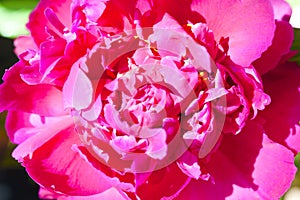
pixel 155 99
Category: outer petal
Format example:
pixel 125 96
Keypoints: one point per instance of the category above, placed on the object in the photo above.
pixel 111 194
pixel 69 173
pixel 41 99
pixel 16 120
pixel 244 166
pixel 38 22
pixel 45 194
pixel 249 24
pixel 282 116
pixel 21 125
pixel 281 44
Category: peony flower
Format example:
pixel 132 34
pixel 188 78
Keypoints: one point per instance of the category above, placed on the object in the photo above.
pixel 155 99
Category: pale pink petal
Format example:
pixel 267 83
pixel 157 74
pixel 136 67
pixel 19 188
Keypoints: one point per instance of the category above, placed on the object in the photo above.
pixel 244 166
pixel 112 117
pixel 93 9
pixel 157 145
pixel 77 90
pixel 188 164
pixel 212 134
pixel 143 6
pixel 282 116
pixel 23 43
pixel 169 36
pixel 249 24
pixel 176 42
pixel 282 10
pixel 215 93
pixel 123 144
pixel 94 111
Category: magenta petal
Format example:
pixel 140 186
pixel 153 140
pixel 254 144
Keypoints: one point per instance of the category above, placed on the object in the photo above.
pixel 46 194
pixel 165 182
pixel 274 180
pixel 51 52
pixel 70 173
pixel 27 147
pixel 283 114
pixel 14 121
pixel 38 20
pixel 249 25
pixel 111 194
pixel 40 99
pixel 244 166
pixel 282 42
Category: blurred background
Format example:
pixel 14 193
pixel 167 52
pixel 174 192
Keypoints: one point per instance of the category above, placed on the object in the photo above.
pixel 14 181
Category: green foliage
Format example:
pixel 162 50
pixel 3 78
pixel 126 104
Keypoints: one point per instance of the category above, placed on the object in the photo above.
pixel 296 45
pixel 297 178
pixel 294 3
pixel 6 148
pixel 14 15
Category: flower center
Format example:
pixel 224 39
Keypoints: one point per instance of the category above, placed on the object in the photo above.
pixel 149 115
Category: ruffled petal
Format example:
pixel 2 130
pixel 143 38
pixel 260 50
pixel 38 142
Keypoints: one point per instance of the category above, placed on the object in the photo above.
pixel 249 25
